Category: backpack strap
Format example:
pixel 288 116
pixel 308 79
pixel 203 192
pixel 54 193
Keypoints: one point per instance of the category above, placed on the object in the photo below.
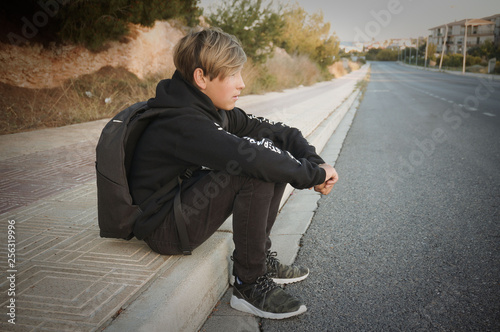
pixel 180 221
pixel 154 203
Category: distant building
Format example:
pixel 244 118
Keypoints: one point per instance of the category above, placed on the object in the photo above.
pixel 401 43
pixel 495 19
pixel 351 47
pixel 478 32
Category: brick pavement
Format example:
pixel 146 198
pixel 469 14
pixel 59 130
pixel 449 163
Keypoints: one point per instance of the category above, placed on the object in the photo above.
pixel 27 178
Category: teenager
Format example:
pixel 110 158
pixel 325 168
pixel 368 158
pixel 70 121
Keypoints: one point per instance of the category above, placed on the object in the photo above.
pixel 244 163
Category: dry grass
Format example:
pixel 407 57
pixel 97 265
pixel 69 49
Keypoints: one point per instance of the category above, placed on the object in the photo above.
pixel 339 69
pixel 84 98
pixel 363 84
pixel 281 71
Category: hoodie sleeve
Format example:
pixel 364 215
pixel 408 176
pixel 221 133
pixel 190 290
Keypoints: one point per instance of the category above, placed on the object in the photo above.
pixel 285 137
pixel 205 143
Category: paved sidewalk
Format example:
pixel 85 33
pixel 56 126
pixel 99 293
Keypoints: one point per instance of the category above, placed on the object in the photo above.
pixel 66 278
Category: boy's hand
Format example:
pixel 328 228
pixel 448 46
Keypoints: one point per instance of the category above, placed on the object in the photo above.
pixel 331 178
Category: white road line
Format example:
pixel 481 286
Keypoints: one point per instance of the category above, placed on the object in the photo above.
pixel 489 114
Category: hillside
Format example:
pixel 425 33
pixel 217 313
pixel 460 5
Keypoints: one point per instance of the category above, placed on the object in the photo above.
pixel 58 85
pixel 147 51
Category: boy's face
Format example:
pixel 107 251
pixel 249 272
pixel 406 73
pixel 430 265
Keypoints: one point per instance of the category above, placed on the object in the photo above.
pixel 224 93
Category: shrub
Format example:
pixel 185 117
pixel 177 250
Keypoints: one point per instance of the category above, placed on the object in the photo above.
pixel 371 55
pixel 281 71
pixel 431 52
pixel 457 60
pixel 486 50
pixel 453 60
pixel 472 60
pixel 377 54
pixel 387 55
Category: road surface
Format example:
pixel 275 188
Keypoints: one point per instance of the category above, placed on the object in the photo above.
pixel 409 239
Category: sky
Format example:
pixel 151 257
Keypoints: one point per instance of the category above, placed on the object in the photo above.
pixel 364 20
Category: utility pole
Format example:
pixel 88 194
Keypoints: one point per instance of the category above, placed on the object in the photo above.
pixel 416 56
pixel 465 47
pixel 426 50
pixel 443 47
pixel 409 62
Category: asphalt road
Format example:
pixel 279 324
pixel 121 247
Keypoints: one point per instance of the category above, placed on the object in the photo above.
pixel 409 239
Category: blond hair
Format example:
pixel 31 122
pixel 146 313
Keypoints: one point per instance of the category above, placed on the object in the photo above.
pixel 217 53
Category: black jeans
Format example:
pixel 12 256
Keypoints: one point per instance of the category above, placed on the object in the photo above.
pixel 208 201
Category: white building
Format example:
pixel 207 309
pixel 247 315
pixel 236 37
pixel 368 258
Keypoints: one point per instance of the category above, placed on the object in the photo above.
pixel 478 31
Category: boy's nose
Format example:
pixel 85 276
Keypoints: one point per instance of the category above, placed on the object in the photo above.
pixel 241 84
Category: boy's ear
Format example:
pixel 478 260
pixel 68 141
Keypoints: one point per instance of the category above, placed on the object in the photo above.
pixel 200 79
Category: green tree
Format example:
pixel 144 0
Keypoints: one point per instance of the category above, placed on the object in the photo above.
pixel 387 55
pixel 487 50
pixel 324 53
pixel 372 54
pixel 94 22
pixel 431 51
pixel 308 35
pixel 255 25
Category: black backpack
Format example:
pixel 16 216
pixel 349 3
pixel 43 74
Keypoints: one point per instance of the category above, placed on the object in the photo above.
pixel 116 211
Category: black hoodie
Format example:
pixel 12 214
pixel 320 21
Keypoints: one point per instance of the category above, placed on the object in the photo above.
pixel 192 132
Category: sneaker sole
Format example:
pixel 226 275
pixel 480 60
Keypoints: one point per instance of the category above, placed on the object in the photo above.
pixel 242 305
pixel 277 280
pixel 290 280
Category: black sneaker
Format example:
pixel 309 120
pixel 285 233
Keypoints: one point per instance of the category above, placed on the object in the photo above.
pixel 265 299
pixel 284 274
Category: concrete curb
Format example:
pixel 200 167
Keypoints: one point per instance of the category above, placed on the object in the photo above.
pixel 190 291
